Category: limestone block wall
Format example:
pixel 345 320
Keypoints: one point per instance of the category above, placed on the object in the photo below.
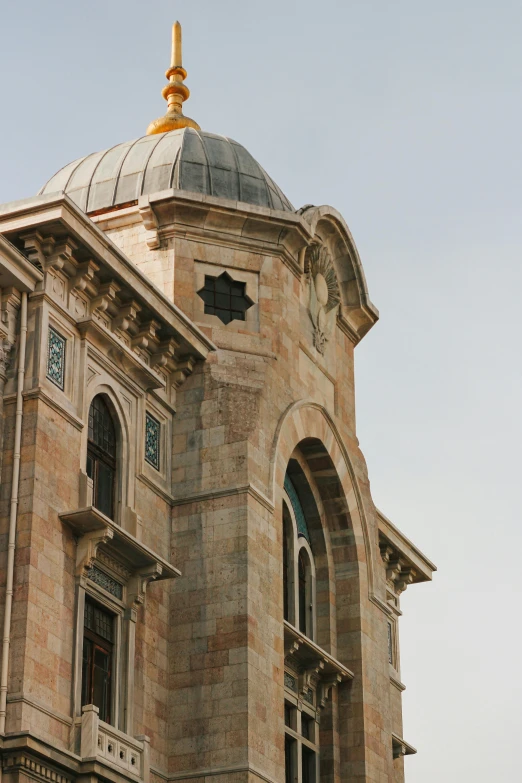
pixel 231 433
pixel 43 644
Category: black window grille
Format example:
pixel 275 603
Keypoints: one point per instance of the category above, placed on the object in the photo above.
pixel 101 455
pixel 225 298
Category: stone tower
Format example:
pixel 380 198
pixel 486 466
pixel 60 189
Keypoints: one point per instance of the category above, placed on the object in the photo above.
pixel 195 582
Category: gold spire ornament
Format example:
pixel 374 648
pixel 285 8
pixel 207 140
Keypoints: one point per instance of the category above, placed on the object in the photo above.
pixel 175 92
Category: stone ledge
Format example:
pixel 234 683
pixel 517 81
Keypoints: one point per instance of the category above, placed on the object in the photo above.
pixel 94 529
pixel 401 747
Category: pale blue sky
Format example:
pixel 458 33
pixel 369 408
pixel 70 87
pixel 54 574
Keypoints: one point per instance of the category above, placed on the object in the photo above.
pixel 406 117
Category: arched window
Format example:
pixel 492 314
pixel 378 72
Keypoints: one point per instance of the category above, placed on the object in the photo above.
pixel 298 565
pixel 288 565
pixel 301 710
pixel 101 455
pixel 303 569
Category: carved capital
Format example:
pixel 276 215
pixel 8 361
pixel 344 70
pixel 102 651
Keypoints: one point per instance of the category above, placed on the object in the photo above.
pixel 60 255
pixel 310 676
pixel 325 688
pixel 105 297
pixel 139 582
pixel 88 547
pixel 184 368
pixel 126 321
pixel 150 224
pixel 146 339
pixel 84 275
pixel 36 247
pixel 165 356
pixel 398 573
pixel 6 349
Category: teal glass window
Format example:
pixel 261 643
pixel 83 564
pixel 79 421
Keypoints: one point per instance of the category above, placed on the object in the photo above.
pixel 56 358
pixel 302 527
pixel 152 441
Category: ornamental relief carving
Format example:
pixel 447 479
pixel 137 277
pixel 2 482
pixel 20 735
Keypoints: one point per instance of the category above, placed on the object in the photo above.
pixel 324 294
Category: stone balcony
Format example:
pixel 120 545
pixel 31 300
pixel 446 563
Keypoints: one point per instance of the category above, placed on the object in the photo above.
pixel 103 744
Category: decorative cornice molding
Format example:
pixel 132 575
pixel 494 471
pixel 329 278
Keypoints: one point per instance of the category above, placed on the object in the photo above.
pixel 399 573
pixel 211 771
pixel 398 684
pixel 40 394
pixel 34 766
pixel 163 493
pixel 210 494
pixel 22 698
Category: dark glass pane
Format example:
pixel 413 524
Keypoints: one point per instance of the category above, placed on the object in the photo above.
pixel 90 433
pixel 208 297
pixel 104 488
pixel 223 300
pixel 222 284
pixel 89 616
pixel 99 621
pixel 224 315
pixel 290 760
pixel 239 303
pixel 103 624
pixel 86 671
pixel 286 564
pixel 289 715
pixel 302 592
pixel 101 427
pixel 101 682
pixel 90 466
pixel 308 762
pixel 307 727
pixel 217 294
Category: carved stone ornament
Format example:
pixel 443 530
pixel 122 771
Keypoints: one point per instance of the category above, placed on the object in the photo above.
pixel 324 294
pixel 399 573
pixel 6 350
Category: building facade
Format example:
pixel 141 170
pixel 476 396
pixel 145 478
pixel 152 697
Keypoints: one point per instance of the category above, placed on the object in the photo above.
pixel 195 582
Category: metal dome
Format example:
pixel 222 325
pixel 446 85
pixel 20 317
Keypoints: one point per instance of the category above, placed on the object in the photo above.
pixel 183 159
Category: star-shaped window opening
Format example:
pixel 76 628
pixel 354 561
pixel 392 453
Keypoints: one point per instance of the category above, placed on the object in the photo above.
pixel 225 298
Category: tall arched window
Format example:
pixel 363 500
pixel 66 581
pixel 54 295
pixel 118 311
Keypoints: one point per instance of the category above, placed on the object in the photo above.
pixel 301 710
pixel 101 455
pixel 298 565
pixel 288 565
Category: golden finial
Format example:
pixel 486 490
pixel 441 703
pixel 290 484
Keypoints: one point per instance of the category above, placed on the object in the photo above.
pixel 175 92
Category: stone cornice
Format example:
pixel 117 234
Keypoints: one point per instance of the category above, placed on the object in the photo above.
pixel 93 530
pixel 57 216
pixel 401 747
pixel 223 222
pixel 396 547
pixel 15 269
pixel 211 494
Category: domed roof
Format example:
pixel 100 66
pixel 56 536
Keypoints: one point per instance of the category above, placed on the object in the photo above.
pixel 185 159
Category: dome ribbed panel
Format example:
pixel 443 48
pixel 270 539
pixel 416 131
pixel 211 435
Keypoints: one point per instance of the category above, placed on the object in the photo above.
pixel 183 159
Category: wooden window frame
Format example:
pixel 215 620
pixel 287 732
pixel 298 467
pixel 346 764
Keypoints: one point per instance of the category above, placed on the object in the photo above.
pixel 107 647
pixel 98 458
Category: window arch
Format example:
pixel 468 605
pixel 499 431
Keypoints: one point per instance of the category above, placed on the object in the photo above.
pixel 101 455
pixel 298 565
pixel 299 601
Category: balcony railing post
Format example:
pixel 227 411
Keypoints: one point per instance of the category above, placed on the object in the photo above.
pixel 145 758
pixel 89 738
